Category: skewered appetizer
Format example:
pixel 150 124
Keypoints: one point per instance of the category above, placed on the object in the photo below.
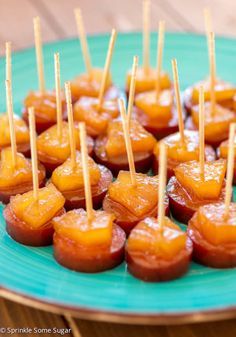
pixel 43 101
pixel 15 169
pixel 157 249
pixel 110 149
pixel 29 216
pixel 222 152
pixel 212 228
pixel 89 83
pixel 146 76
pixel 224 92
pixel 132 197
pixel 68 178
pixel 182 146
pixel 88 241
pixel 96 112
pixel 196 183
pixel 154 109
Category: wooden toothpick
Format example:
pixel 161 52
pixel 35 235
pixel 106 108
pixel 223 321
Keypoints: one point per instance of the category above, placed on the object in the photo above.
pixel 132 88
pixel 8 62
pixel 146 35
pixel 201 132
pixel 178 100
pixel 106 68
pixel 39 53
pixel 83 40
pixel 86 175
pixel 230 168
pixel 208 21
pixel 162 186
pixel 11 121
pixel 34 157
pixel 127 141
pixel 160 45
pixel 58 93
pixel 71 124
pixel 212 70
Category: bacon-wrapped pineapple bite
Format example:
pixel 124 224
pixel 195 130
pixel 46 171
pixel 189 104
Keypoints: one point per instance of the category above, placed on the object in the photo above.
pixel 212 229
pixel 157 249
pixel 217 117
pixel 53 144
pixel 132 197
pixel 155 109
pixel 15 169
pixel 222 152
pixel 196 183
pixel 68 178
pixel 182 146
pixel 110 149
pixel 88 241
pixel 96 112
pixel 43 101
pixel 29 215
pixel 89 84
pixel 146 75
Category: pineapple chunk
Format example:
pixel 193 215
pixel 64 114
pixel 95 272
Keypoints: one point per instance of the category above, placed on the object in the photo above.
pixel 147 237
pixel 67 178
pixel 36 213
pixel 178 151
pixel 223 91
pixel 189 176
pixel 50 144
pixel 147 81
pixel 216 123
pixel 223 149
pixel 215 227
pixel 74 225
pixel 21 129
pixel 160 108
pixel 138 199
pixel 141 140
pixel 14 175
pixel 85 110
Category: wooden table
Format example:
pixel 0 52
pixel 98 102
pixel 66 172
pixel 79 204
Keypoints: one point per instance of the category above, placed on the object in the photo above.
pixel 101 16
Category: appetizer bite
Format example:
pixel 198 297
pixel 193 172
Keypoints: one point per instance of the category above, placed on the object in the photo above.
pixel 110 149
pixel 154 109
pixel 222 152
pixel 44 102
pixel 29 216
pixel 88 241
pixel 53 145
pixel 146 76
pixel 21 128
pixel 157 249
pixel 196 183
pixel 212 229
pixel 182 146
pixel 68 177
pixel 15 169
pixel 132 197
pixel 217 117
pixel 224 92
pixel 96 112
pixel 89 84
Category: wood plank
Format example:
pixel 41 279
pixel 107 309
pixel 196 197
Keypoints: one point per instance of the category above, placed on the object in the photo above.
pixel 16 23
pixel 13 316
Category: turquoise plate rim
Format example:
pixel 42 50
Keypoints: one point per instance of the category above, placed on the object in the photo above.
pixel 115 315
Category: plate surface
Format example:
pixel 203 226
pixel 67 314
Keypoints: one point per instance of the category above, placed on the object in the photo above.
pixel 31 275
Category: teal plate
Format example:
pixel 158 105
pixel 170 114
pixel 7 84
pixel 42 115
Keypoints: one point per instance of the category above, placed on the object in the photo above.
pixel 31 275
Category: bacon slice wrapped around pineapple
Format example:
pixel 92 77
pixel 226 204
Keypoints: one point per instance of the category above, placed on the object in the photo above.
pixel 88 245
pixel 29 221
